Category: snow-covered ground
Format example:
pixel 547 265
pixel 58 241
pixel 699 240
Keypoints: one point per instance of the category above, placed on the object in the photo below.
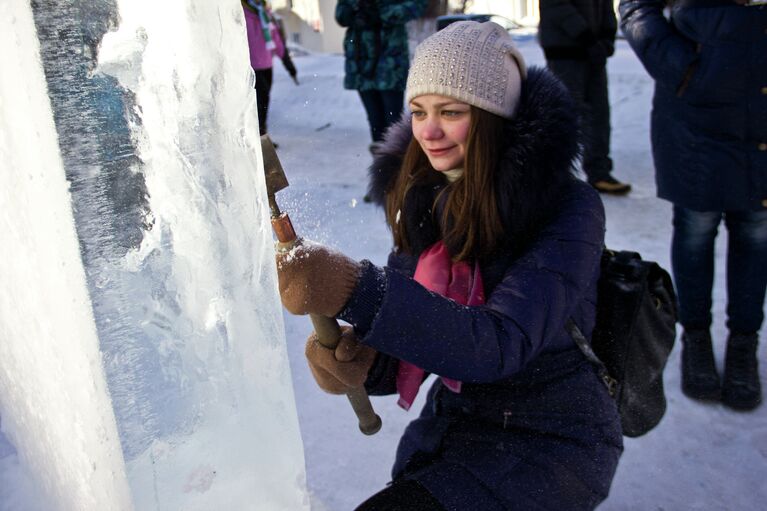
pixel 701 456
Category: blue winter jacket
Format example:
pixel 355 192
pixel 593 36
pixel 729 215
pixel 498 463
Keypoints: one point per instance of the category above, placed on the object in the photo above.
pixel 709 117
pixel 533 427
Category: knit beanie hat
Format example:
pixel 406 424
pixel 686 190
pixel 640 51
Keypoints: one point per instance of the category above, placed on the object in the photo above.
pixel 476 63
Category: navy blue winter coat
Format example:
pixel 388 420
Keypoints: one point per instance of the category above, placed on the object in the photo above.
pixel 533 427
pixel 709 117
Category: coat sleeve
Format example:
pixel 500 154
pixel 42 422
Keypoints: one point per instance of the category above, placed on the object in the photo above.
pixel 564 14
pixel 666 54
pixel 523 315
pixel 383 375
pixel 609 25
pixel 346 11
pixel 398 12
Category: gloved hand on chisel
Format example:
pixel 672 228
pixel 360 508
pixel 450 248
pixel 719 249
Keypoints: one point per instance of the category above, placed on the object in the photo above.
pixel 346 367
pixel 315 279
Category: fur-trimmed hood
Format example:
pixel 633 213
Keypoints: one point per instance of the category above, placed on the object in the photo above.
pixel 535 167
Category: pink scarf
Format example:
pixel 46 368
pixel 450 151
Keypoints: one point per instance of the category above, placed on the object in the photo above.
pixel 436 272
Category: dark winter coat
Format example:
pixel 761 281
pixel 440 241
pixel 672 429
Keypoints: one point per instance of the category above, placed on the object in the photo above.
pixel 709 116
pixel 568 27
pixel 533 427
pixel 375 44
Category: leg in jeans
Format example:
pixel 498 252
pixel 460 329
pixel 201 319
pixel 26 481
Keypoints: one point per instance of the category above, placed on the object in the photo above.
pixel 596 152
pixel 588 86
pixel 692 261
pixel 393 101
pixel 746 269
pixel 746 283
pixel 575 74
pixel 373 102
pixel 263 88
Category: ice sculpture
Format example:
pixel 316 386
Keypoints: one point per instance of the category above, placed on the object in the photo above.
pixel 156 133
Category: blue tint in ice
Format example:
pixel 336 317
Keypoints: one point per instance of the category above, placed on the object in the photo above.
pixel 157 135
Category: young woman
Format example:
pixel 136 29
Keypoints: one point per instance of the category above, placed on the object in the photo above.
pixel 497 244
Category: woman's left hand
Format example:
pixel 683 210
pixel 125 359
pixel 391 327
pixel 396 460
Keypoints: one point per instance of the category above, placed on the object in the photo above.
pixel 315 279
pixel 337 371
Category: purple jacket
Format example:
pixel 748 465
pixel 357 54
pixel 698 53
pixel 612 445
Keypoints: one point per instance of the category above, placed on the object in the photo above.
pixel 260 57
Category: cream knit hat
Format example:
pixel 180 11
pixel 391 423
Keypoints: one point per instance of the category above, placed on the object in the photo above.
pixel 476 63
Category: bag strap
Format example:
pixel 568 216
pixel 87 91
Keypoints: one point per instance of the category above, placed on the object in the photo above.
pixel 585 347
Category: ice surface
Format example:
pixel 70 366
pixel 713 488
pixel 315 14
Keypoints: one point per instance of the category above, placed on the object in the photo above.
pixel 155 115
pixel 53 398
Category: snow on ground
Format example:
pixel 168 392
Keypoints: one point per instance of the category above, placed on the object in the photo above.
pixel 700 456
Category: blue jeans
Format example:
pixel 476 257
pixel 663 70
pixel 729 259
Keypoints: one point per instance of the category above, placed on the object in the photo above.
pixel 588 85
pixel 383 108
pixel 692 260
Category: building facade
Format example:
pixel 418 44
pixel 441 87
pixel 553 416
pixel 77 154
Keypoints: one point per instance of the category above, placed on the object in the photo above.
pixel 310 24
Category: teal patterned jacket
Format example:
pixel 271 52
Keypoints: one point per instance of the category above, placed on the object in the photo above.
pixel 375 44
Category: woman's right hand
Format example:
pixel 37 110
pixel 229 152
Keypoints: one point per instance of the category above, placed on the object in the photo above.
pixel 315 279
pixel 337 371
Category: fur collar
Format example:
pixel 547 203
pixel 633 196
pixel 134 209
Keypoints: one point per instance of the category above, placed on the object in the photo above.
pixel 536 164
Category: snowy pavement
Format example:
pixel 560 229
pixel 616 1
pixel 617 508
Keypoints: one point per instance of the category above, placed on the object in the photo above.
pixel 701 456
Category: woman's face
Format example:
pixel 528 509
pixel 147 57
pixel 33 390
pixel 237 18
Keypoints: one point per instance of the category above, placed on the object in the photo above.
pixel 441 127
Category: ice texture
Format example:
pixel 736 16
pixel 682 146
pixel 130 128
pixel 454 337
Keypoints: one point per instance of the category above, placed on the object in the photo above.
pixel 157 131
pixel 54 402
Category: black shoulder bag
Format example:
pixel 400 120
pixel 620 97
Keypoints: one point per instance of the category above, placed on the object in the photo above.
pixel 633 336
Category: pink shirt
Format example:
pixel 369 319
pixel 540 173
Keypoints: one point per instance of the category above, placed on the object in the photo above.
pixel 260 56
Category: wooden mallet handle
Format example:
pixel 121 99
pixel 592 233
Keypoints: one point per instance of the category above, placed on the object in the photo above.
pixel 329 334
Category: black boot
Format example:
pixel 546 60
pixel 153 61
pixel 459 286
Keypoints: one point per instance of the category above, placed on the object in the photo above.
pixel 699 377
pixel 741 389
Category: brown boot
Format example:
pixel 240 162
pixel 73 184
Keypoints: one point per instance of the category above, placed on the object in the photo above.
pixel 611 186
pixel 741 389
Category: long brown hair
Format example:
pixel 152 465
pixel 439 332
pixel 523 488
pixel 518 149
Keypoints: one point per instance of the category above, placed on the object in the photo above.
pixel 470 223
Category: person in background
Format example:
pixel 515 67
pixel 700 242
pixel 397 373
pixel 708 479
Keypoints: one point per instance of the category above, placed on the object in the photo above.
pixel 264 41
pixel 376 53
pixel 709 142
pixel 496 246
pixel 577 37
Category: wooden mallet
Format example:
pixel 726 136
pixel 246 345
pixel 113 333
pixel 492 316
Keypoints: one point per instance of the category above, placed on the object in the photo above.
pixel 328 331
